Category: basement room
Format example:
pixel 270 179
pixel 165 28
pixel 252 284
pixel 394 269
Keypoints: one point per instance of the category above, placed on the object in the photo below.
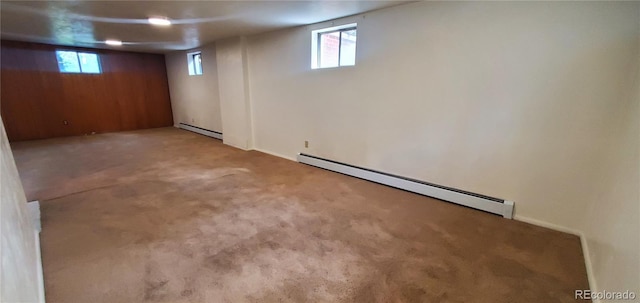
pixel 319 151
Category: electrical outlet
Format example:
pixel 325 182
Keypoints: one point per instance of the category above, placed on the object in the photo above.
pixel 306 144
pixel 193 120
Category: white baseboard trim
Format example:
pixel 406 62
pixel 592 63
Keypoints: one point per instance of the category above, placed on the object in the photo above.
pixel 275 154
pixel 583 243
pixel 34 213
pixel 587 262
pixel 202 131
pixel 547 225
pixel 39 267
pixel 481 202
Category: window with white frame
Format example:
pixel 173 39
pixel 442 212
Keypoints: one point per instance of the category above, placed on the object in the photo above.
pixel 334 46
pixel 195 63
pixel 78 62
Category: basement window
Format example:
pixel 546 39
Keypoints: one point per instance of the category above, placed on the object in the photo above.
pixel 334 46
pixel 195 63
pixel 78 62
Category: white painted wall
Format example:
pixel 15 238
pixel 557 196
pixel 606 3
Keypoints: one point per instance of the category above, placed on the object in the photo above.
pixel 195 99
pixel 234 92
pixel 19 271
pixel 509 99
pixel 612 225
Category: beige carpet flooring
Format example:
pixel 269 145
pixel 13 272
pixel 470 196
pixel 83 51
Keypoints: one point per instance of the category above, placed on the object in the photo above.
pixel 165 215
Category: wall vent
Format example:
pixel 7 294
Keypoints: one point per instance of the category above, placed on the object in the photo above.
pixel 485 203
pixel 202 131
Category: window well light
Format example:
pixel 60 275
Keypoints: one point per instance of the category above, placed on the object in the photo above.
pixel 159 21
pixel 113 42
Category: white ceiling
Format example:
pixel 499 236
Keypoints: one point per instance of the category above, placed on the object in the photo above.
pixel 89 23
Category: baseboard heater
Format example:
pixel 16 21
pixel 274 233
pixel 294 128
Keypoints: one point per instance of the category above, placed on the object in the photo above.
pixel 472 200
pixel 202 131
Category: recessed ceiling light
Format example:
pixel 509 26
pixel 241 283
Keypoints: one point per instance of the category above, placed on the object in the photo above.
pixel 113 42
pixel 160 21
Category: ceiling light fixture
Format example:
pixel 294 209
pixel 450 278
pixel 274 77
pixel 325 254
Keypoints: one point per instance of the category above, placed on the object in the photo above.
pixel 160 21
pixel 113 42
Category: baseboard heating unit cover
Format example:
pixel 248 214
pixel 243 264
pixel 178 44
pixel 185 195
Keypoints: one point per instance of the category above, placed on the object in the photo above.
pixel 202 131
pixel 472 200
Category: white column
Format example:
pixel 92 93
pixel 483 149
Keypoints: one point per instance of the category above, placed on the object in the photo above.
pixel 233 83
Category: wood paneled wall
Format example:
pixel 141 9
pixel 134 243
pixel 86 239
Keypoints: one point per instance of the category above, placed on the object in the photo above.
pixel 36 99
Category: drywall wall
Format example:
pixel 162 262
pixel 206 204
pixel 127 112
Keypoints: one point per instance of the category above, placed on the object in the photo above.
pixel 235 102
pixel 509 99
pixel 19 271
pixel 195 99
pixel 612 225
